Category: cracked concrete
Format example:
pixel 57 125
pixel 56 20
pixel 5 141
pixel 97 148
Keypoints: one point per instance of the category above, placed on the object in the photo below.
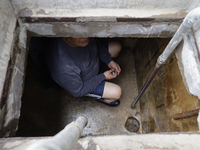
pixel 121 142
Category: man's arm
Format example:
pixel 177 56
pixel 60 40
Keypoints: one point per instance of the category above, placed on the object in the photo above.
pixel 105 57
pixel 103 52
pixel 72 82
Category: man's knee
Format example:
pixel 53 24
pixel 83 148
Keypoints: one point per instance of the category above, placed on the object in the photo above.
pixel 112 91
pixel 114 49
pixel 118 92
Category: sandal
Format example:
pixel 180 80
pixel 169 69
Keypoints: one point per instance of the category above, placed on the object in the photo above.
pixel 113 104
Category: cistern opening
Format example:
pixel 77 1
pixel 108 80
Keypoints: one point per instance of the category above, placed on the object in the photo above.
pixel 47 108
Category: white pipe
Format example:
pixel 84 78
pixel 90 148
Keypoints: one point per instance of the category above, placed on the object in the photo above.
pixel 187 23
pixel 65 139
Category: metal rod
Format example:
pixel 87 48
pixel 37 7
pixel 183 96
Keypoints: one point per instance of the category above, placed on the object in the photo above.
pixel 187 114
pixel 187 23
pixel 65 139
pixel 150 78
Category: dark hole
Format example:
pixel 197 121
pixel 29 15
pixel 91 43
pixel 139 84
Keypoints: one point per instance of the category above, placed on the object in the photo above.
pixel 132 124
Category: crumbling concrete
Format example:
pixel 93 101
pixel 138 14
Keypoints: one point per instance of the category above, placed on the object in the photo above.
pixel 166 95
pixel 121 142
pixel 102 18
pixel 105 29
pixel 188 54
pixel 15 90
pixel 7 28
pixel 88 8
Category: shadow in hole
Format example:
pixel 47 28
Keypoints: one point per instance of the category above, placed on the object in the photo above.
pixel 41 98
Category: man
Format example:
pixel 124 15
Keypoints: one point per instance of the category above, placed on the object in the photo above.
pixel 74 65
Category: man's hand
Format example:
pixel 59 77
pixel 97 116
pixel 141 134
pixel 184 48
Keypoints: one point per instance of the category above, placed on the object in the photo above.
pixel 115 67
pixel 110 74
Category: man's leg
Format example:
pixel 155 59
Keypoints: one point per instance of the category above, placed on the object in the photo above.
pixel 112 92
pixel 114 49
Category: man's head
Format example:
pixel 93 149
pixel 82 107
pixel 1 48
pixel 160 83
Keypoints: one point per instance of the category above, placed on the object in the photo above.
pixel 76 42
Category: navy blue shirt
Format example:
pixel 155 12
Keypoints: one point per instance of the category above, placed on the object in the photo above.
pixel 76 68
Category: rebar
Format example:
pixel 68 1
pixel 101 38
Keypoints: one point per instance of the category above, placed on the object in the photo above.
pixel 187 114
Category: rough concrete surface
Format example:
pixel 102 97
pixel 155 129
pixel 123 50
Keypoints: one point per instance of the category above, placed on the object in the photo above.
pixel 15 91
pixel 188 54
pixel 142 141
pixel 117 142
pixel 7 27
pixel 104 120
pixel 135 13
pixel 11 76
pixel 105 29
pixel 166 95
pixel 136 8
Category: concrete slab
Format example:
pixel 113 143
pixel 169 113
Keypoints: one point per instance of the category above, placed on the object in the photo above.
pixel 136 8
pixel 118 142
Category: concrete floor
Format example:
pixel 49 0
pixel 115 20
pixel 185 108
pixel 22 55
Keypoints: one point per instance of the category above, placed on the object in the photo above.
pixel 104 120
pixel 45 111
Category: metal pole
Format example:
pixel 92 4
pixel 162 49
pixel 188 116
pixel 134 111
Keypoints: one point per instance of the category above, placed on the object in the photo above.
pixel 65 139
pixel 187 23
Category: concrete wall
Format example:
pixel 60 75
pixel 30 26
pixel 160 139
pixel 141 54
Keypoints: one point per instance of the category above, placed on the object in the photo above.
pixel 103 18
pixel 103 29
pixel 15 91
pixel 7 27
pixel 188 54
pixel 125 8
pixel 12 68
pixel 116 4
pixel 119 142
pixel 166 95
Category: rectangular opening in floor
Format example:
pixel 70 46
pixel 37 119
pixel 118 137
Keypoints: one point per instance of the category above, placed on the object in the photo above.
pixel 47 108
